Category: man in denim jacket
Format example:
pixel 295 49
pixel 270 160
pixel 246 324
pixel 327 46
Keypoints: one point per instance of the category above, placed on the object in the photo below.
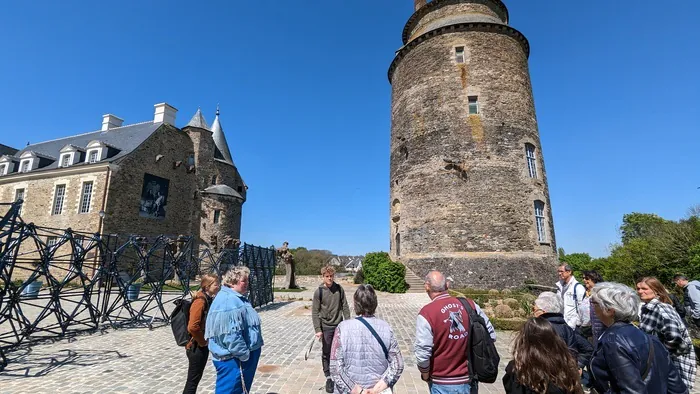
pixel 234 334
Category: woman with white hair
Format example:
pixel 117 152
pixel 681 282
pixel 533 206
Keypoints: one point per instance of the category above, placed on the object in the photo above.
pixel 627 360
pixel 234 334
pixel 550 306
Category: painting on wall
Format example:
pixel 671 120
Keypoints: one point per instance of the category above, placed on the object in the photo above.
pixel 154 197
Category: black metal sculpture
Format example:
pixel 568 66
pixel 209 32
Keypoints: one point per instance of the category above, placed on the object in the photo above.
pixel 59 282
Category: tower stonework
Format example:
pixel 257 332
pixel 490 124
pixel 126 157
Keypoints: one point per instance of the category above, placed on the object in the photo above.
pixel 468 189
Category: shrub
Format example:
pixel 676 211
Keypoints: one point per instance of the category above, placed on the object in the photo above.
pixel 512 303
pixel 359 277
pixel 493 292
pixel 506 291
pixel 503 311
pixel 384 274
pixel 507 324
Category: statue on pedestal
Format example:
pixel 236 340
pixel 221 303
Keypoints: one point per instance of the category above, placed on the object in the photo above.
pixel 285 255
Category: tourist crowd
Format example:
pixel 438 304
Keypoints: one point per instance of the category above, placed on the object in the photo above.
pixel 598 336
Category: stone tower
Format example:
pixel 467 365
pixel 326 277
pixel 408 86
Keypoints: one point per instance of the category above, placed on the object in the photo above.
pixel 468 187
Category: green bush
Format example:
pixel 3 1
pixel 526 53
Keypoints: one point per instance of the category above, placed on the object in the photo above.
pixel 384 274
pixel 507 324
pixel 359 277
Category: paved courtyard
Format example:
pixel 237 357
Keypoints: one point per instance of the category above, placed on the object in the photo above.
pixel 139 360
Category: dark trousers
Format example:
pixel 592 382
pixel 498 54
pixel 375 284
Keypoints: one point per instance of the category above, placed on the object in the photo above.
pixel 327 340
pixel 198 360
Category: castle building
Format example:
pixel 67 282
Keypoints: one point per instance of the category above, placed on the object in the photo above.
pixel 146 178
pixel 468 186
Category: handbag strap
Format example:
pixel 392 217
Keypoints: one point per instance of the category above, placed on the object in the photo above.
pixel 376 336
pixel 650 358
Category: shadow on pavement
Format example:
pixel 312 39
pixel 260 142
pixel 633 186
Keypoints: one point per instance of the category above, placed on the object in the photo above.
pixel 27 364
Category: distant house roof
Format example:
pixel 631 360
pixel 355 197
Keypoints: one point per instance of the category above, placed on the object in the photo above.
pixel 7 150
pixel 123 139
pixel 223 190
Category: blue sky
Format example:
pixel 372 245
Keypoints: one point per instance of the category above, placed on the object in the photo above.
pixel 305 101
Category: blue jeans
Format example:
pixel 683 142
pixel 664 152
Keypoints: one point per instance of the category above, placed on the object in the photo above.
pixel 449 388
pixel 228 374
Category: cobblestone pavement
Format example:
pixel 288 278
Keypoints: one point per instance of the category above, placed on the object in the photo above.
pixel 139 360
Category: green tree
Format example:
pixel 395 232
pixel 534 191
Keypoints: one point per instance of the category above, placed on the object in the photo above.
pixel 641 225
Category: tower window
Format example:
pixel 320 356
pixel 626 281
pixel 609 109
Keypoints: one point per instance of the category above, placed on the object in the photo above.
pixel 473 105
pixel 217 216
pixel 459 54
pixel 58 198
pixel 190 160
pixel 531 160
pixel 213 180
pixel 539 221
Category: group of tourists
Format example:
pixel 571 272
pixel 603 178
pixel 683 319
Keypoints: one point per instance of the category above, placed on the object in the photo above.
pixel 583 337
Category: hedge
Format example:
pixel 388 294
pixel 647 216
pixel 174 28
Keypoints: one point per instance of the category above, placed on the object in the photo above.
pixel 384 274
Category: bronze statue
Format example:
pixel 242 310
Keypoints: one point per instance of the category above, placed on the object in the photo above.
pixel 285 255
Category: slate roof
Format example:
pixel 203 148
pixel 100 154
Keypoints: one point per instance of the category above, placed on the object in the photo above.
pixel 223 190
pixel 198 120
pixel 7 150
pixel 125 139
pixel 222 151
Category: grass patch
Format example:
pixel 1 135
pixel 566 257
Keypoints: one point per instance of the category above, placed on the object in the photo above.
pixel 281 290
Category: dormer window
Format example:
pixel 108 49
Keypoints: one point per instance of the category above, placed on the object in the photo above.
pixel 66 159
pixel 93 156
pixel 70 154
pixel 7 165
pixel 25 165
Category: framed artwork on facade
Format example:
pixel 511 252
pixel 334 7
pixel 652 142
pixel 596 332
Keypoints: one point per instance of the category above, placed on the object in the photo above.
pixel 154 197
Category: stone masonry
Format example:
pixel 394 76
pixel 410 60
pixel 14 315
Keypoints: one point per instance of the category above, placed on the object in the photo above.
pixel 462 195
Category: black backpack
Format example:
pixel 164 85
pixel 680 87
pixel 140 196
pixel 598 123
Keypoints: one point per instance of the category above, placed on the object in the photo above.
pixel 179 319
pixel 482 356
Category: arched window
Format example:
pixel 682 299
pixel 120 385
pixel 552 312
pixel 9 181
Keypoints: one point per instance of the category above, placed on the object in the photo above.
pixel 531 160
pixel 398 244
pixel 539 221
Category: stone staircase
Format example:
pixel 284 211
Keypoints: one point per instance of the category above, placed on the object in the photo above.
pixel 415 283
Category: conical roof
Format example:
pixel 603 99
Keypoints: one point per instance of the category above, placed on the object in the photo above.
pixel 220 140
pixel 198 120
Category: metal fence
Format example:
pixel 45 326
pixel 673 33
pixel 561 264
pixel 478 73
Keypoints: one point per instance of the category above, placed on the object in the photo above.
pixel 59 282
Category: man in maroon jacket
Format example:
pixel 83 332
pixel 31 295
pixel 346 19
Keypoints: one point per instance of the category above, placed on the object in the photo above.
pixel 442 328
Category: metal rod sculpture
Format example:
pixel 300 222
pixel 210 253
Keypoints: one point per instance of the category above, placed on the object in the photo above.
pixel 59 282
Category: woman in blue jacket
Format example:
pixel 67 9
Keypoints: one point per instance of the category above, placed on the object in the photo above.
pixel 626 359
pixel 234 334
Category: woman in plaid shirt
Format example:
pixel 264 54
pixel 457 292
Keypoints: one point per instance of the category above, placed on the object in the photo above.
pixel 658 317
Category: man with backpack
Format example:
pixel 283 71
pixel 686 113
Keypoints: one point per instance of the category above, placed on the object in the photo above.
pixel 691 296
pixel 454 345
pixel 572 293
pixel 329 308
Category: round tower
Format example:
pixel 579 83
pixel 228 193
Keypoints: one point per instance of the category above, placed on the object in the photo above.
pixel 469 191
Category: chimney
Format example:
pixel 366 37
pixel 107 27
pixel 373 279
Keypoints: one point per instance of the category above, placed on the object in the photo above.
pixel 164 113
pixel 417 4
pixel 110 121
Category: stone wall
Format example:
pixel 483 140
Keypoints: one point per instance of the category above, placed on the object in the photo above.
pixel 158 156
pixel 471 12
pixel 461 195
pixel 229 219
pixel 39 190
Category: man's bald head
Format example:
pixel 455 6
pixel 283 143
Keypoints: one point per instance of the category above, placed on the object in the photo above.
pixel 436 282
